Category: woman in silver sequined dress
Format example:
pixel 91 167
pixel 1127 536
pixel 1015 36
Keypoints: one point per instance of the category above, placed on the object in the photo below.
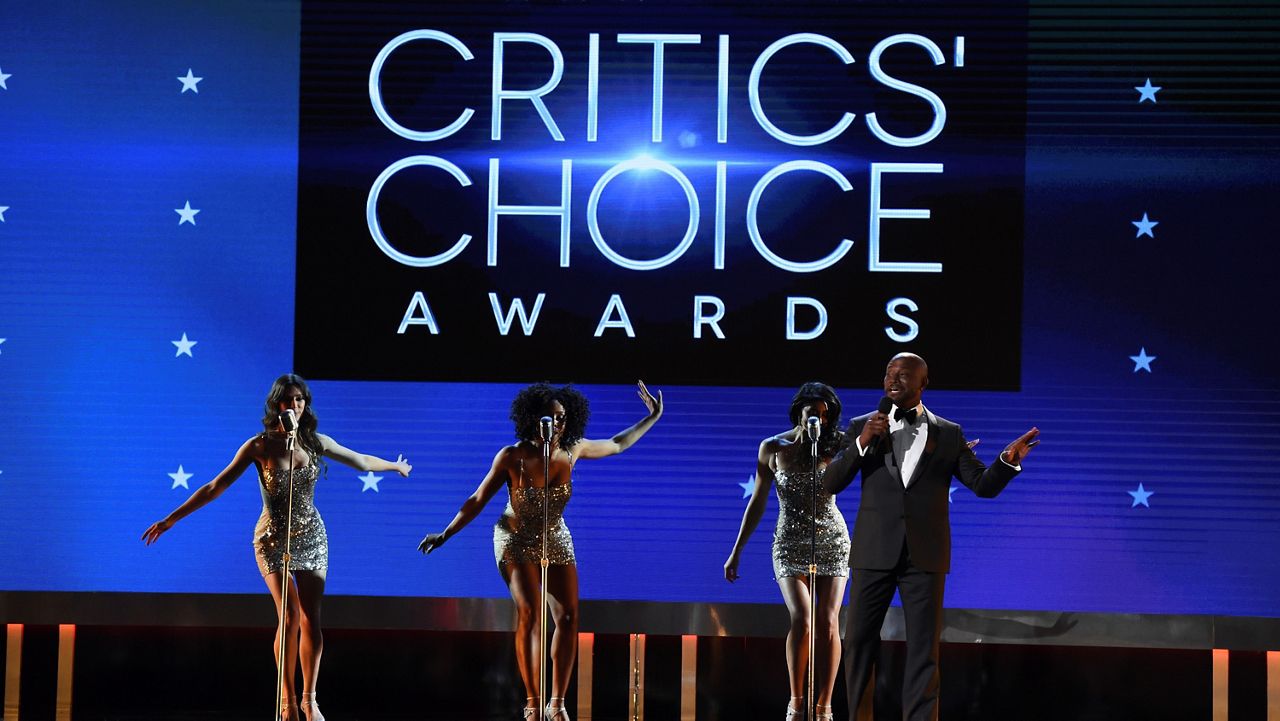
pixel 517 537
pixel 785 460
pixel 308 542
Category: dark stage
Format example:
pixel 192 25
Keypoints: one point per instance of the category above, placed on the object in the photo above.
pixel 177 657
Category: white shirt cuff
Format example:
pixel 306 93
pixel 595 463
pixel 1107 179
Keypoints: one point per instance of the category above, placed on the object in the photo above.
pixel 861 451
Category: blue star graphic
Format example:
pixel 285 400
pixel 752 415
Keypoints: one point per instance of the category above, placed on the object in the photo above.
pixel 180 478
pixel 2 340
pixel 184 346
pixel 186 214
pixel 3 77
pixel 1147 91
pixel 1142 361
pixel 1140 496
pixel 2 209
pixel 1145 226
pixel 370 481
pixel 748 486
pixel 189 82
pixel 951 492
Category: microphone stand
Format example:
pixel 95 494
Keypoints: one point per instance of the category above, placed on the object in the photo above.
pixel 281 662
pixel 813 571
pixel 544 562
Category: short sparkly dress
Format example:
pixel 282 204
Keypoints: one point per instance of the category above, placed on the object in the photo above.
pixel 517 536
pixel 792 537
pixel 309 545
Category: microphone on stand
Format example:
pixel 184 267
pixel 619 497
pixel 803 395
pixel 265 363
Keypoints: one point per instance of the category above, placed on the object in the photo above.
pixel 886 405
pixel 814 430
pixel 544 428
pixel 289 422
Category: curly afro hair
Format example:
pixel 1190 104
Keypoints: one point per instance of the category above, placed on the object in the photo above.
pixel 530 404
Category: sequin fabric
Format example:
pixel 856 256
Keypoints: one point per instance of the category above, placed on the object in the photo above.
pixel 517 537
pixel 792 536
pixel 309 545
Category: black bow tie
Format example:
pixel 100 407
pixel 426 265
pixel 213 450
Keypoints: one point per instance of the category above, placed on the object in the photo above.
pixel 903 415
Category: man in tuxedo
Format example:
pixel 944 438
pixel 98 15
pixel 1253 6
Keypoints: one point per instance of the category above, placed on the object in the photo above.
pixel 902 534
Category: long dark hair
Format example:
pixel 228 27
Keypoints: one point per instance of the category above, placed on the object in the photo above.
pixel 530 405
pixel 306 424
pixel 830 440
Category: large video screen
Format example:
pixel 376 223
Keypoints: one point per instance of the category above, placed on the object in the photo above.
pixel 423 207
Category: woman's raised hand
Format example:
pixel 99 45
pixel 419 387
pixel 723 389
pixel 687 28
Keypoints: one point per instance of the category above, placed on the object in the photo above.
pixel 653 404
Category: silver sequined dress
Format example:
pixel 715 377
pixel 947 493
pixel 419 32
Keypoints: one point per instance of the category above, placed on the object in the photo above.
pixel 792 537
pixel 309 546
pixel 517 537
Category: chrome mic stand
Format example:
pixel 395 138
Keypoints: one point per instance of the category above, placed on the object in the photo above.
pixel 290 425
pixel 544 425
pixel 814 430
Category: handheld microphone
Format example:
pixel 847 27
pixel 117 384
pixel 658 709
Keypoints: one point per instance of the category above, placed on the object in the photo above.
pixel 886 405
pixel 544 428
pixel 814 429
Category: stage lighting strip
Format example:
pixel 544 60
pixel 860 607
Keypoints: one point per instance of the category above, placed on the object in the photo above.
pixel 12 671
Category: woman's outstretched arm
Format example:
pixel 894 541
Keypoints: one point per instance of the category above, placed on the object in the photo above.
pixel 623 440
pixel 755 507
pixel 362 461
pixel 471 507
pixel 206 493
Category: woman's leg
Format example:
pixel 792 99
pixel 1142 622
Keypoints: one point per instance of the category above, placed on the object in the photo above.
pixel 562 593
pixel 275 582
pixel 826 617
pixel 795 592
pixel 310 585
pixel 523 580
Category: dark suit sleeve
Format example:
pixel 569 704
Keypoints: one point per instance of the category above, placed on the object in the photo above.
pixel 845 465
pixel 985 481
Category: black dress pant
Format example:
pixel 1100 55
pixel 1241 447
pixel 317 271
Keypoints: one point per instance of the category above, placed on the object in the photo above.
pixel 871 591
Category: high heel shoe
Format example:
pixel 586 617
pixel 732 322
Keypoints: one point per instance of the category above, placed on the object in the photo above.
pixel 556 712
pixel 823 713
pixel 531 709
pixel 288 710
pixel 795 708
pixel 310 708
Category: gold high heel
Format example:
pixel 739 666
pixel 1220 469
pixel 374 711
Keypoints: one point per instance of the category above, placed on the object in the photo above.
pixel 530 711
pixel 823 713
pixel 792 711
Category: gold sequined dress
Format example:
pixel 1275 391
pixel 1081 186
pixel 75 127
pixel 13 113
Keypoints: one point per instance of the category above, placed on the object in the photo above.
pixel 792 537
pixel 517 537
pixel 309 545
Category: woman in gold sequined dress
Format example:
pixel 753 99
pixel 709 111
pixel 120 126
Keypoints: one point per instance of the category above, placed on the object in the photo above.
pixel 517 537
pixel 308 542
pixel 786 460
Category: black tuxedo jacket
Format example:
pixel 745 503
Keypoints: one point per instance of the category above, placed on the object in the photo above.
pixel 918 512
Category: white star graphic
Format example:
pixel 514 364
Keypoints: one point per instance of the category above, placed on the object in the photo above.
pixel 370 481
pixel 3 77
pixel 2 209
pixel 189 82
pixel 1140 496
pixel 951 492
pixel 748 486
pixel 1145 226
pixel 179 478
pixel 186 214
pixel 1147 91
pixel 184 346
pixel 2 340
pixel 1142 361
